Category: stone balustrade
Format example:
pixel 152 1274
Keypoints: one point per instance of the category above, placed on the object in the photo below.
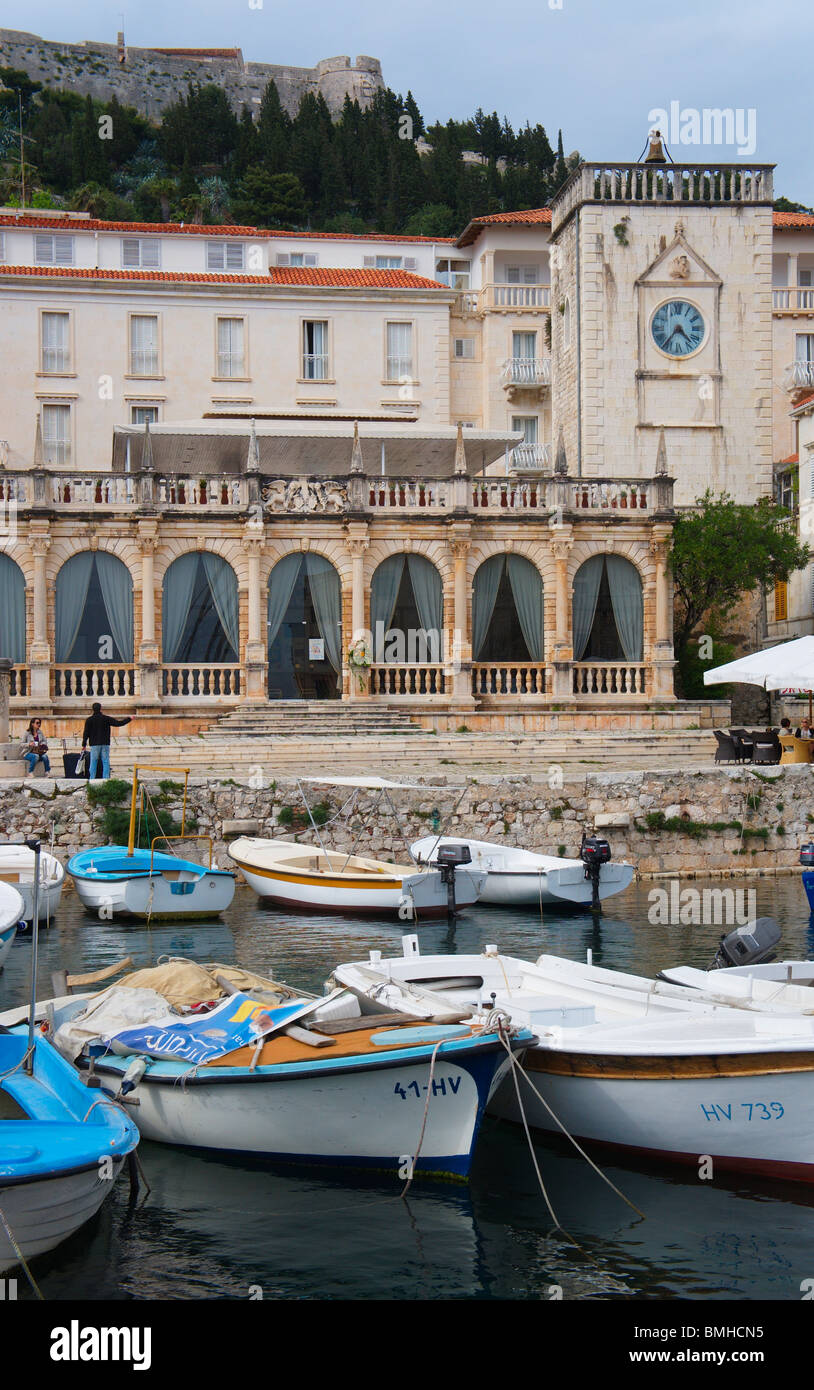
pixel 611 678
pixel 799 376
pixel 526 372
pixel 210 681
pixel 638 183
pixel 793 299
pixel 420 678
pixel 82 680
pixel 508 678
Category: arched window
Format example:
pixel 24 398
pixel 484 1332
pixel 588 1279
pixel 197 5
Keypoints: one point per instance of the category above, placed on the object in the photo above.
pixel 12 610
pixel 608 610
pixel 199 613
pixel 304 629
pixel 507 610
pixel 407 610
pixel 93 619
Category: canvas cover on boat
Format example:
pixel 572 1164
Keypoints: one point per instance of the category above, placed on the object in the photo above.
pixel 236 1022
pixel 115 1008
pixel 184 982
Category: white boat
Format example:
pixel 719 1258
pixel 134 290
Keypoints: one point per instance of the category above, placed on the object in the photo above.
pixel 305 1081
pixel 306 876
pixel 522 878
pixel 11 916
pixel 115 880
pixel 17 868
pixel 660 1074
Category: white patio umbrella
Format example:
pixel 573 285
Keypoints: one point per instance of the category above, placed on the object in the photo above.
pixel 788 667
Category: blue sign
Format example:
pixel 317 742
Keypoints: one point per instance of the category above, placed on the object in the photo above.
pixel 238 1021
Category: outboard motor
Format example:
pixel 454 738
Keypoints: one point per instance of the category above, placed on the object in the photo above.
pixel 594 852
pixel 807 855
pixel 748 945
pixel 449 858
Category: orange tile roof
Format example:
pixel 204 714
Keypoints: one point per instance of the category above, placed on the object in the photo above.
pixel 801 402
pixel 792 458
pixel 96 224
pixel 278 275
pixel 530 218
pixel 790 221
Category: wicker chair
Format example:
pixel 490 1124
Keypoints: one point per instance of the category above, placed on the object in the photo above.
pixel 727 750
pixel 744 743
pixel 767 746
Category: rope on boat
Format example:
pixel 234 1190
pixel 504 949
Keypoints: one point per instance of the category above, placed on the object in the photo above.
pixel 518 1065
pixel 430 1084
pixel 21 1257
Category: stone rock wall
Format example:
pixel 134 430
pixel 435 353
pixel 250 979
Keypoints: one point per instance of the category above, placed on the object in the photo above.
pixel 762 818
pixel 150 80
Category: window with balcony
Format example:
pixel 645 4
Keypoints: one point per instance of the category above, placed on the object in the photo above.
pixel 225 255
pixel 522 274
pixel 524 345
pixel 528 424
pixel 144 345
pixel 56 344
pixel 53 250
pixel 455 274
pixel 141 253
pixel 399 351
pixel 144 414
pixel 804 347
pixel 315 350
pixel 56 434
pixel 231 351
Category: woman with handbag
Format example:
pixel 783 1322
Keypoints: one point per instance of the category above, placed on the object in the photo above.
pixel 35 748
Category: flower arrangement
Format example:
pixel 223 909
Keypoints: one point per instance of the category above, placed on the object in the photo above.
pixel 359 660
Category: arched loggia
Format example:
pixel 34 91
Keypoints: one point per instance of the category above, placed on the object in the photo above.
pixel 304 629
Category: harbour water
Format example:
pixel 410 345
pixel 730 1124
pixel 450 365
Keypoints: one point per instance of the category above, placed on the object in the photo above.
pixel 216 1229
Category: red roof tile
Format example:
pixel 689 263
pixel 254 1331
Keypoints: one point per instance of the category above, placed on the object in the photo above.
pixel 792 458
pixel 789 221
pixel 95 224
pixel 802 401
pixel 278 275
pixel 532 217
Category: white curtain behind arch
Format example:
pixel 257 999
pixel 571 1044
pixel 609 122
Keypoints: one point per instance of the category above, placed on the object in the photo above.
pixel 428 591
pixel 117 595
pixel 628 606
pixel 223 587
pixel 384 592
pixel 281 586
pixel 73 582
pixel 527 591
pixel 12 611
pixel 326 594
pixel 586 592
pixel 179 586
pixel 484 597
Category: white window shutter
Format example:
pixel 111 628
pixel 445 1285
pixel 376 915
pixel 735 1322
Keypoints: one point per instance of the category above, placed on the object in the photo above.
pixel 369 261
pixel 310 258
pixel 44 250
pixel 214 255
pixel 235 252
pixel 130 253
pixel 151 254
pixel 63 250
pixel 282 258
pixel 410 263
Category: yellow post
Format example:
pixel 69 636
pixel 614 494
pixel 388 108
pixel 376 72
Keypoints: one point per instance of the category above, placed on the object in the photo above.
pixel 131 836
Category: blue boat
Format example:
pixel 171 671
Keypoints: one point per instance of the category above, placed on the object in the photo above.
pixel 62 1144
pixel 808 884
pixel 124 880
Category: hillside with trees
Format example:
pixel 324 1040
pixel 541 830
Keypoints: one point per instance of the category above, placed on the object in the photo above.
pixel 202 163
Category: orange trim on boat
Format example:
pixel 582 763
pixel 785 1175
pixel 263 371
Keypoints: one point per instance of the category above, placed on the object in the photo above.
pixel 666 1068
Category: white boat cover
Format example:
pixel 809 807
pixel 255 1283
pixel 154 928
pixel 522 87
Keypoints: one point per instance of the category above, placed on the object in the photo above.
pixel 109 1012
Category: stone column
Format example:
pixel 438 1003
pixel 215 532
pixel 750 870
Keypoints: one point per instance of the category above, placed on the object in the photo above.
pixel 11 764
pixel 356 544
pixel 149 669
pixel 560 684
pixel 254 540
pixel 459 651
pixel 661 685
pixel 39 652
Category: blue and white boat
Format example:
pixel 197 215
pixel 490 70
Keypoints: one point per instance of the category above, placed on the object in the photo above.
pixel 61 1147
pixel 12 914
pixel 116 880
pixel 345 1090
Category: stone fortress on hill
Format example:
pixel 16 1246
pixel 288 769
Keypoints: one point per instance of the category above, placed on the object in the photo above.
pixel 151 79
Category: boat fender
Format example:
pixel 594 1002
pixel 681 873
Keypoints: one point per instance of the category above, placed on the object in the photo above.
pixel 133 1075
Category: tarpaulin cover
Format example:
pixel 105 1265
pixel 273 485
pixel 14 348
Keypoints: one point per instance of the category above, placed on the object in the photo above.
pixel 236 1022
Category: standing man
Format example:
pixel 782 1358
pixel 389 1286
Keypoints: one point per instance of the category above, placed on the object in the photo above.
pixel 96 735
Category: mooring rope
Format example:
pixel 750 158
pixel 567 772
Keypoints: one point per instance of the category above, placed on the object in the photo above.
pixel 20 1256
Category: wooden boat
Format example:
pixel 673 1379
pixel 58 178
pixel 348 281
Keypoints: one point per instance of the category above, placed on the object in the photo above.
pixel 663 1073
pixel 124 880
pixel 248 1077
pixel 17 868
pixel 60 1147
pixel 12 908
pixel 307 876
pixel 522 878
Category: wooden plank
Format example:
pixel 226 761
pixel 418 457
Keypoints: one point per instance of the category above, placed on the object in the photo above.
pixel 370 1021
pixel 96 975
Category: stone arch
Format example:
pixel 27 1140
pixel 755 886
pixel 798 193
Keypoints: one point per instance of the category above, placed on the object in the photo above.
pixel 200 608
pixel 607 605
pixel 507 596
pixel 305 625
pixel 12 610
pixel 93 607
pixel 408 600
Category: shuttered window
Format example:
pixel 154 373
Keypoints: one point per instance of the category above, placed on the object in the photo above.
pixel 56 434
pixel 56 351
pixel 53 250
pixel 225 255
pixel 141 253
pixel 781 601
pixel 144 345
pixel 399 351
pixel 231 354
pixel 315 350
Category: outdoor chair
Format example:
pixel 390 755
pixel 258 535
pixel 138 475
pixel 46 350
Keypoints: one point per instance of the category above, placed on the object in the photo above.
pixel 727 751
pixel 767 747
pixel 743 742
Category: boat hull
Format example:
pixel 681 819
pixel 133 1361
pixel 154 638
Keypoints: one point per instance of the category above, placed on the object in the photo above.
pixel 520 878
pixel 684 1109
pixel 174 888
pixel 415 895
pixel 43 1212
pixel 7 935
pixel 17 870
pixel 359 1116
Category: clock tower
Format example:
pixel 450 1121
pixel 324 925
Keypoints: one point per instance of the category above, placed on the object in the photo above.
pixel 661 321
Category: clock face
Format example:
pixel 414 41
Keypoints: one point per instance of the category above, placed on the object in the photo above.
pixel 678 328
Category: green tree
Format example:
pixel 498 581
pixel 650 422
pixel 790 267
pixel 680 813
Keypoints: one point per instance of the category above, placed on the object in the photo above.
pixel 269 200
pixel 723 550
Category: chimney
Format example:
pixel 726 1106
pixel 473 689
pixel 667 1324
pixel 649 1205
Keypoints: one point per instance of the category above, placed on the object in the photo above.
pixel 121 51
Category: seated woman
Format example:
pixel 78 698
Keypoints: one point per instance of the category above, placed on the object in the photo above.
pixel 805 730
pixel 35 748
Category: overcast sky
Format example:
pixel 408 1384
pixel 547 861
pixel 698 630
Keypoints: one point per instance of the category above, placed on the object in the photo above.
pixel 594 67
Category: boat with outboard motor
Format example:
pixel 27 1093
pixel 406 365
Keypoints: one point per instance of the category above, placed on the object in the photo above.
pixel 645 1066
pixel 17 868
pixel 125 880
pixel 522 878
pixel 313 877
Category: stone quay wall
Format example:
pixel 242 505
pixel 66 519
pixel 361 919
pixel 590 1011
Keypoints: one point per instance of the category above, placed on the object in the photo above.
pixel 729 821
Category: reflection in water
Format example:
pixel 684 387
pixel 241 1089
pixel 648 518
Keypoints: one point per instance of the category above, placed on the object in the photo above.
pixel 214 1228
